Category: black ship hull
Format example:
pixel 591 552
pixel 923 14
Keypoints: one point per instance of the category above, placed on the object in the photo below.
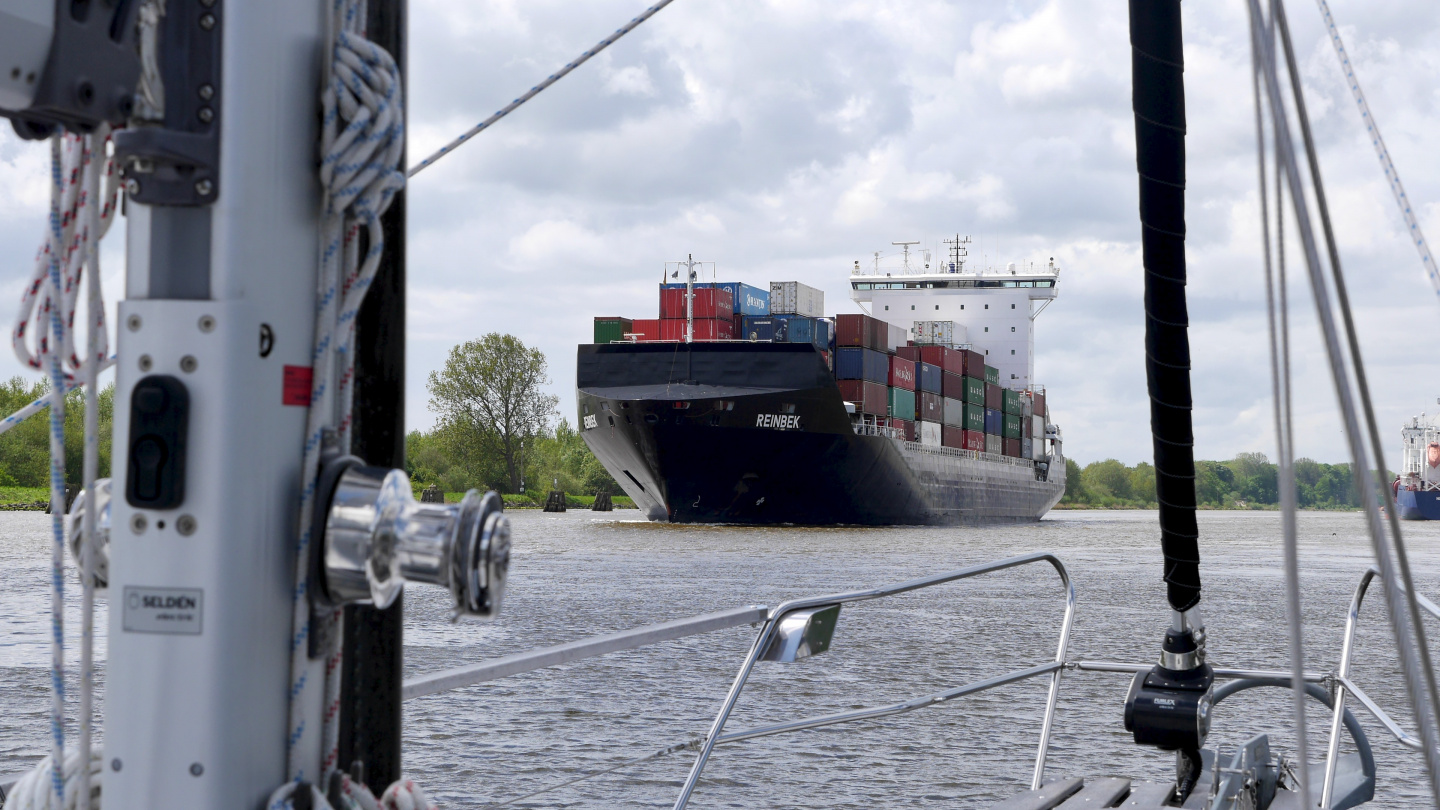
pixel 757 433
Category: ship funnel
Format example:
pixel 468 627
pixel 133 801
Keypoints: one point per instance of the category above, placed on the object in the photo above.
pixel 378 537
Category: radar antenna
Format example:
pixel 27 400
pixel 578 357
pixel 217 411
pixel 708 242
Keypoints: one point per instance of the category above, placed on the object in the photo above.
pixel 905 246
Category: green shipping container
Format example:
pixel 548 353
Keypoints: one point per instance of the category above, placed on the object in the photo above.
pixel 1012 402
pixel 902 404
pixel 975 395
pixel 612 329
pixel 975 416
pixel 1012 426
pixel 992 375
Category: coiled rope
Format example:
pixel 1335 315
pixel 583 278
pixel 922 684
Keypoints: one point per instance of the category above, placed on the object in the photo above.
pixel 362 143
pixel 1381 151
pixel 80 214
pixel 353 795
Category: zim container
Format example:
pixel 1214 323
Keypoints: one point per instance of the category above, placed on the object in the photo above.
pixel 794 298
pixel 609 330
pixel 994 423
pixel 992 375
pixel 709 329
pixel 709 303
pixel 931 407
pixel 1011 447
pixel 869 397
pixel 994 400
pixel 954 413
pixel 974 440
pixel 974 418
pixel 952 437
pixel 902 403
pixel 993 444
pixel 1011 426
pixel 748 300
pixel 929 378
pixel 930 433
pixel 906 428
pixel 948 359
pixel 902 373
pixel 853 363
pixel 1010 401
pixel 974 391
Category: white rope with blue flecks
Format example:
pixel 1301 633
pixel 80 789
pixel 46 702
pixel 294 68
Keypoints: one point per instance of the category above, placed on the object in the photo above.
pixel 1381 151
pixel 362 144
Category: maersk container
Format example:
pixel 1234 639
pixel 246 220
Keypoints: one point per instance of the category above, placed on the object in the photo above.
pixel 935 333
pixel 994 444
pixel 869 397
pixel 902 404
pixel 994 422
pixel 609 330
pixel 852 363
pixel 931 407
pixel 954 413
pixel 902 373
pixel 994 400
pixel 975 440
pixel 974 391
pixel 1011 448
pixel 748 300
pixel 1010 401
pixel 948 359
pixel 794 298
pixel 952 437
pixel 992 375
pixel 1011 426
pixel 974 418
pixel 929 378
pixel 930 433
pixel 764 328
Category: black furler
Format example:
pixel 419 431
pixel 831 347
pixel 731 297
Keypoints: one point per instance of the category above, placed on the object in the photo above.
pixel 1158 71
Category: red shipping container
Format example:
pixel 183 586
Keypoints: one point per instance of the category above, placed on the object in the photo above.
pixel 869 397
pixel 902 373
pixel 994 399
pixel 646 329
pixel 906 428
pixel 952 437
pixel 1040 405
pixel 945 357
pixel 952 386
pixel 911 353
pixel 861 330
pixel 974 363
pixel 1025 428
pixel 710 302
pixel 931 407
pixel 1011 447
pixel 974 440
pixel 709 329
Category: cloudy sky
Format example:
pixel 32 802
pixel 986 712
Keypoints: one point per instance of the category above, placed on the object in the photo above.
pixel 785 139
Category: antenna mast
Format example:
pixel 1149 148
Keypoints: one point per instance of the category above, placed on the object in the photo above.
pixel 905 246
pixel 958 252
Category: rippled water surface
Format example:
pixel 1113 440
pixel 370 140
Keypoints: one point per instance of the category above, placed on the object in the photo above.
pixel 580 573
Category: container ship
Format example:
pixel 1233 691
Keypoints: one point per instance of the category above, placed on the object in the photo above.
pixel 748 405
pixel 1417 487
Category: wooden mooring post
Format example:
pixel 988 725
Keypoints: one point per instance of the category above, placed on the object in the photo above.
pixel 602 503
pixel 555 501
pixel 432 494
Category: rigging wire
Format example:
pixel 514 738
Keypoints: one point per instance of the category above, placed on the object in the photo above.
pixel 536 90
pixel 1404 622
pixel 1392 175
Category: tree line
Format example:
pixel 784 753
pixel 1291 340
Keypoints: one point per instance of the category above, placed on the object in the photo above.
pixel 25 448
pixel 1248 481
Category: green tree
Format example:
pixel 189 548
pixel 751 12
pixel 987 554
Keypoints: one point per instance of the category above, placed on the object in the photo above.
pixel 1142 484
pixel 1108 479
pixel 1074 483
pixel 490 401
pixel 25 448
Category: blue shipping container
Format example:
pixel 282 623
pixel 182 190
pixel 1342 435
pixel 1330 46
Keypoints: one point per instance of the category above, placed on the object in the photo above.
pixel 994 422
pixel 854 363
pixel 748 300
pixel 931 378
pixel 815 331
pixel 767 328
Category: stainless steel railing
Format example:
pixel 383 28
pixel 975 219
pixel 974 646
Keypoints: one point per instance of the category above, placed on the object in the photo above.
pixel 1343 684
pixel 767 633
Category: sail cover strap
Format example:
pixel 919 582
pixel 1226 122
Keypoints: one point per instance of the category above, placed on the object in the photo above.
pixel 1158 68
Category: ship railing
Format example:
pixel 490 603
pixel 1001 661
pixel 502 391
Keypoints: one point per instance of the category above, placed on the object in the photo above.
pixel 878 430
pixel 802 627
pixel 979 455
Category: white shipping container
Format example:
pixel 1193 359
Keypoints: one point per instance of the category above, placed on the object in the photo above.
pixel 935 333
pixel 1039 449
pixel 1027 450
pixel 993 444
pixel 930 433
pixel 1037 427
pixel 897 338
pixel 794 298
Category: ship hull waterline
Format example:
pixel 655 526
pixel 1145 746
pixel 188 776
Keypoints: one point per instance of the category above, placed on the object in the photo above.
pixel 709 433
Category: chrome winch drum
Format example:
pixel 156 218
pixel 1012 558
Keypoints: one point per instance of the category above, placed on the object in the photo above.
pixel 376 537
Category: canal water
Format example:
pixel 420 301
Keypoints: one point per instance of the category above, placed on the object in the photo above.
pixel 580 573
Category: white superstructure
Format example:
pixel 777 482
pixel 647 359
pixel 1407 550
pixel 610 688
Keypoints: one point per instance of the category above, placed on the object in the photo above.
pixel 996 307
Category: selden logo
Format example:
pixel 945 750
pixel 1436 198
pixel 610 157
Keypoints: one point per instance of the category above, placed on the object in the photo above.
pixel 779 421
